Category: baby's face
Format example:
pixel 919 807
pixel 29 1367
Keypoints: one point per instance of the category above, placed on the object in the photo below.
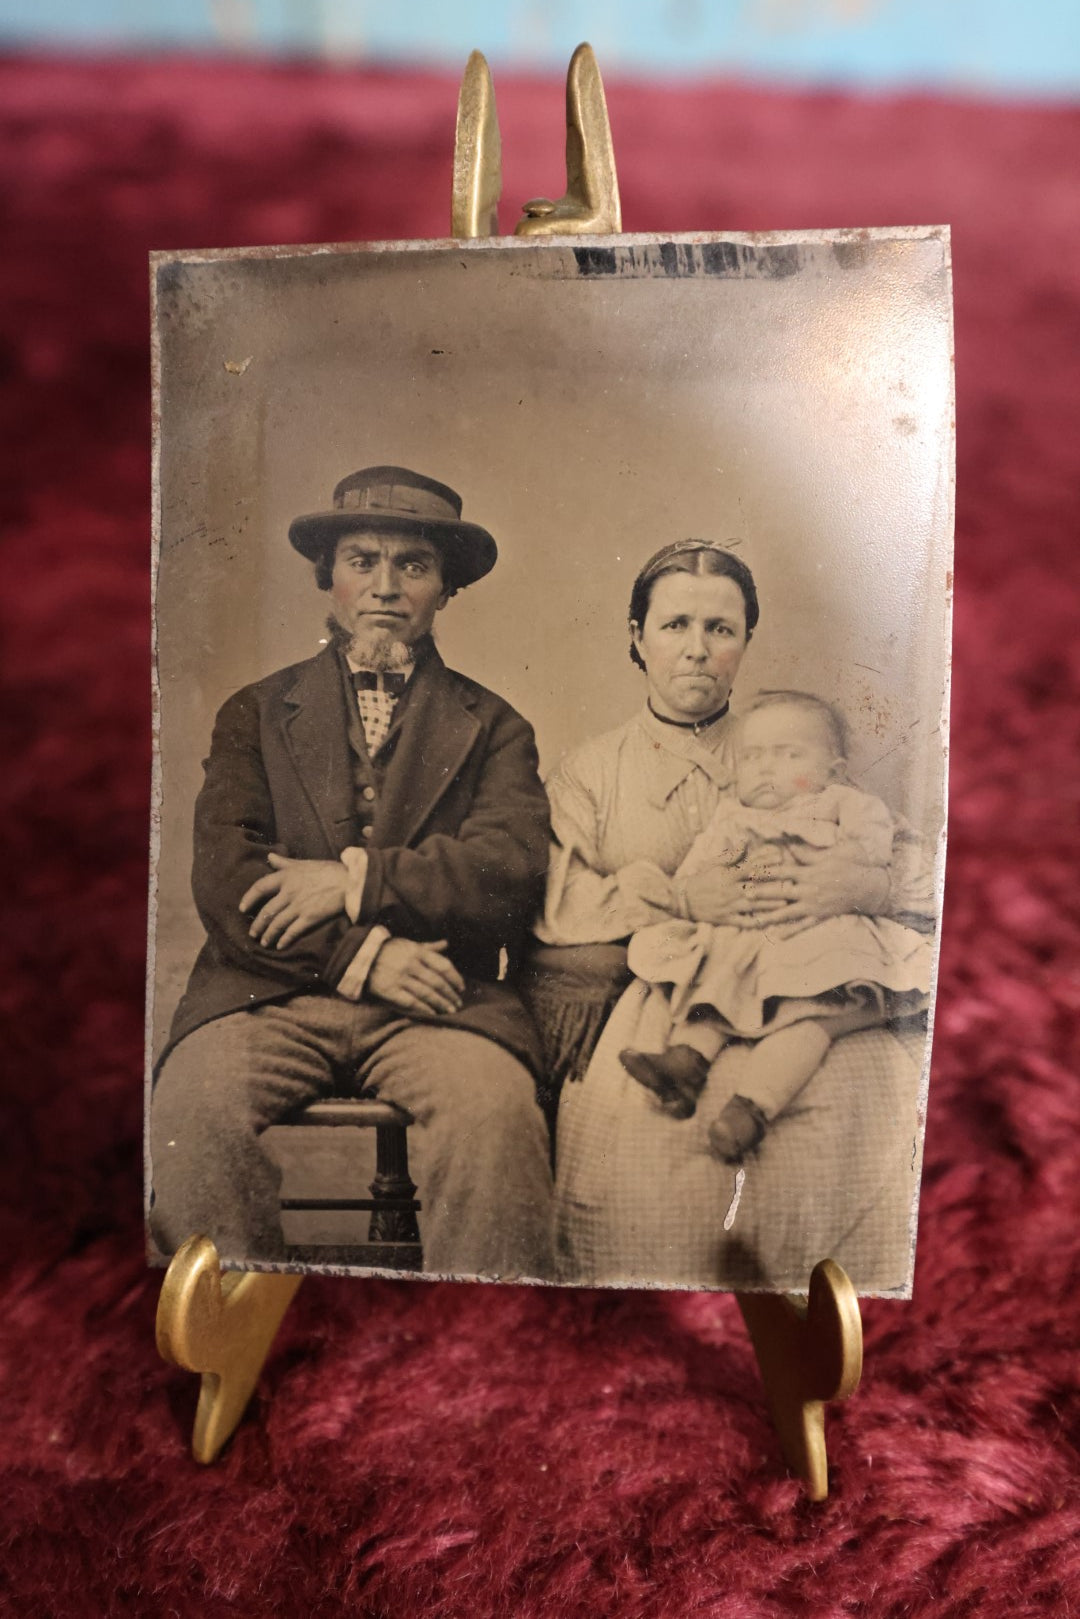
pixel 783 752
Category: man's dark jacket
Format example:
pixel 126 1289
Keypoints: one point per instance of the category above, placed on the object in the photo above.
pixel 457 851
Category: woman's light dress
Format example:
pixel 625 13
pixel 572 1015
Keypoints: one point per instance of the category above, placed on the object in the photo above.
pixel 638 1198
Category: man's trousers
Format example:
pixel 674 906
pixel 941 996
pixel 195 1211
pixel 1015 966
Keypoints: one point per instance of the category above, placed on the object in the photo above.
pixel 478 1150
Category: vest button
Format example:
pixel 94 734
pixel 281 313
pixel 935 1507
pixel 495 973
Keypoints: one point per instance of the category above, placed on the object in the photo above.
pixel 366 831
pixel 369 793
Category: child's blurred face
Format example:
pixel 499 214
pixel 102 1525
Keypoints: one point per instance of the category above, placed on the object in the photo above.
pixel 784 751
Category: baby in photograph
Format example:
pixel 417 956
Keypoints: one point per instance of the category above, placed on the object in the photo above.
pixel 794 987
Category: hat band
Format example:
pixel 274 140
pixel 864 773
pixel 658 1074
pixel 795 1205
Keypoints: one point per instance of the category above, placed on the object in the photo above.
pixel 398 500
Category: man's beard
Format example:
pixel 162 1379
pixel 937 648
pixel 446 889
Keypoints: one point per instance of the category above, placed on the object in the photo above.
pixel 373 648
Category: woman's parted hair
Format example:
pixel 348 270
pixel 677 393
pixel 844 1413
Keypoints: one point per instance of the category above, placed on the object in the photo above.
pixel 690 556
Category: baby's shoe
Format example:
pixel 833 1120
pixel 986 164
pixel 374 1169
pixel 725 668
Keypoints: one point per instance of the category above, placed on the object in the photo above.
pixel 737 1130
pixel 676 1076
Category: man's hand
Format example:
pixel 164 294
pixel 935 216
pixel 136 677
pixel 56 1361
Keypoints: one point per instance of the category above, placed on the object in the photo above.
pixel 830 882
pixel 419 978
pixel 296 896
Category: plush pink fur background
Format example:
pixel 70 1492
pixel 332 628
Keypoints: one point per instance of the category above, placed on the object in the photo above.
pixel 445 1450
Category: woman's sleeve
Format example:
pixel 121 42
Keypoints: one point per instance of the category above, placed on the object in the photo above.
pixel 869 823
pixel 585 904
pixel 911 879
pixel 890 840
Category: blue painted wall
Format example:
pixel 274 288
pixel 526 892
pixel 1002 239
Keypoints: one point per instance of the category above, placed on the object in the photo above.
pixel 1022 47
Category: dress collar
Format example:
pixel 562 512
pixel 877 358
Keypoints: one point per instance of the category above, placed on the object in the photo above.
pixel 677 753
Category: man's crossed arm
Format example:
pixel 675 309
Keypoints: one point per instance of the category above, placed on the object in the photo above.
pixel 308 922
pixel 298 895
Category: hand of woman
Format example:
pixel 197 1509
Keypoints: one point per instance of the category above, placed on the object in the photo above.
pixel 829 882
pixel 729 896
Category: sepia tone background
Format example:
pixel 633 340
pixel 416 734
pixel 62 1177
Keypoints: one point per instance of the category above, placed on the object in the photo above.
pixel 792 397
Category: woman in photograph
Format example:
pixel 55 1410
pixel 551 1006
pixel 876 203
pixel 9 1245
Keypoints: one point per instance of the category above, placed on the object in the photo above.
pixel 640 1197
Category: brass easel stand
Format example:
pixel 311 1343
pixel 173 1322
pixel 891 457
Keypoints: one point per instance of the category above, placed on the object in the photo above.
pixel 223 1326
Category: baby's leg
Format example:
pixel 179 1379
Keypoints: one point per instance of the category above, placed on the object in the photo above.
pixel 777 1068
pixel 704 1034
pixel 677 1076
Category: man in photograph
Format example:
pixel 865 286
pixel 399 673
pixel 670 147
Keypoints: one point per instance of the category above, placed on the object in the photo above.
pixel 370 847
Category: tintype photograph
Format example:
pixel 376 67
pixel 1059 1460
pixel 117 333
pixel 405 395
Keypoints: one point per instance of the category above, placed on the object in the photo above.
pixel 552 649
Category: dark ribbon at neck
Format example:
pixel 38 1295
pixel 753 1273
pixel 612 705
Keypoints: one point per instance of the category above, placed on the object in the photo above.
pixel 697 726
pixel 392 682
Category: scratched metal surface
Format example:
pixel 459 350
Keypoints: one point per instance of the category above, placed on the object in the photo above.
pixel 789 393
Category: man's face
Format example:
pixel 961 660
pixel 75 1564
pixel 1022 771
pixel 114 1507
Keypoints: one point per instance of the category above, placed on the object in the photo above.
pixel 691 643
pixel 386 590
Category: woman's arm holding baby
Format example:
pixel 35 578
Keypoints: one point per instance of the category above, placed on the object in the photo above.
pixel 878 867
pixel 831 883
pixel 586 903
pixel 839 881
pixel 853 876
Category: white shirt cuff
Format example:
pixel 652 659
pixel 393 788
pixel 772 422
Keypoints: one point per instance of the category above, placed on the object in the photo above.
pixel 355 977
pixel 355 862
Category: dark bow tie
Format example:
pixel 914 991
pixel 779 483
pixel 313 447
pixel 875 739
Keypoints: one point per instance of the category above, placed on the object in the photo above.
pixel 368 680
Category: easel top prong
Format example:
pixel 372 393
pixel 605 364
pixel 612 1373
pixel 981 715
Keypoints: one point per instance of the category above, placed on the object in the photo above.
pixel 590 204
pixel 474 207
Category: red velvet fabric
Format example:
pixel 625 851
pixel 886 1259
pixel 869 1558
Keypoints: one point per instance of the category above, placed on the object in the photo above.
pixel 451 1450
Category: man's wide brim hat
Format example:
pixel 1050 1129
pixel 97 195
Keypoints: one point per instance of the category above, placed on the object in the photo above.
pixel 393 500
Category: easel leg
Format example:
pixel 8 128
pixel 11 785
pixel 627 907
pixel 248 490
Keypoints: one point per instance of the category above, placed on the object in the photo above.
pixel 807 1355
pixel 221 1326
